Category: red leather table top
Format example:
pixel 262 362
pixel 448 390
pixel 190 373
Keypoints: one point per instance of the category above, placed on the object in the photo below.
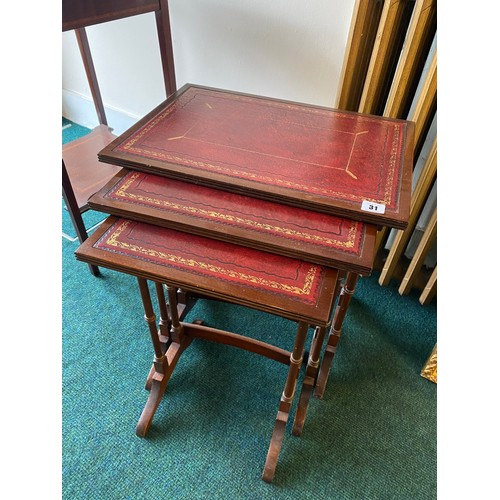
pixel 289 287
pixel 316 237
pixel 318 158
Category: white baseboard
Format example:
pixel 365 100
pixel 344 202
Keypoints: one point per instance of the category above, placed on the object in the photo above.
pixel 80 109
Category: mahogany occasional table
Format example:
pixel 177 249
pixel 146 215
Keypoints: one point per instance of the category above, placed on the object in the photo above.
pixel 293 289
pixel 254 201
pixel 343 163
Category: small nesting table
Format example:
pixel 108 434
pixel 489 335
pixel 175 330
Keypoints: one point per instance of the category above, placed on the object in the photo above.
pixel 294 289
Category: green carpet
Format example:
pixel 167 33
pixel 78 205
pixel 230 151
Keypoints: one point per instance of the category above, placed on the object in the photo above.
pixel 72 130
pixel 372 436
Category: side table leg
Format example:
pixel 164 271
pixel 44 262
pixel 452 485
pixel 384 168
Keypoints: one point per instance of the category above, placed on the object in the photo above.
pixel 159 383
pixel 309 380
pixel 311 373
pixel 164 328
pixel 164 322
pixel 285 403
pixel 164 362
pixel 334 336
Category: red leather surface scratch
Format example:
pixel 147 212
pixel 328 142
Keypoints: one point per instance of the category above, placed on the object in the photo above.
pixel 330 153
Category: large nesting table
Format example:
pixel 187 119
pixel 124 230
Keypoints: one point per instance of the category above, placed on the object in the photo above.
pixel 258 202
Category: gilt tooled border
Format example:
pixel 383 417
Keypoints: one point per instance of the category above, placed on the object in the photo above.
pixel 111 239
pixel 184 98
pixel 122 192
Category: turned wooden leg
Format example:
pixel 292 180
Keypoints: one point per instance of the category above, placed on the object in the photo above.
pixel 159 383
pixel 150 317
pixel 164 322
pixel 164 327
pixel 176 327
pixel 334 336
pixel 285 403
pixel 182 301
pixel 309 380
pixel 164 362
pixel 311 374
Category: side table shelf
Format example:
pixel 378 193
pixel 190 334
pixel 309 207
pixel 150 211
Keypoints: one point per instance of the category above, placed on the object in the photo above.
pixel 88 175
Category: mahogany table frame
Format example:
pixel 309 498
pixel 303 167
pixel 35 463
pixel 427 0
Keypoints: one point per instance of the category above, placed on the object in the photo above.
pixel 171 336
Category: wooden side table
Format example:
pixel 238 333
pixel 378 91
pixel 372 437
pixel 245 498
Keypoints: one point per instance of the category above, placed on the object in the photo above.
pixel 290 288
pixel 344 244
pixel 256 201
pixel 347 164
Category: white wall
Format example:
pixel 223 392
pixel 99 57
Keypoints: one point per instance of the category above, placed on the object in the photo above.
pixel 290 49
